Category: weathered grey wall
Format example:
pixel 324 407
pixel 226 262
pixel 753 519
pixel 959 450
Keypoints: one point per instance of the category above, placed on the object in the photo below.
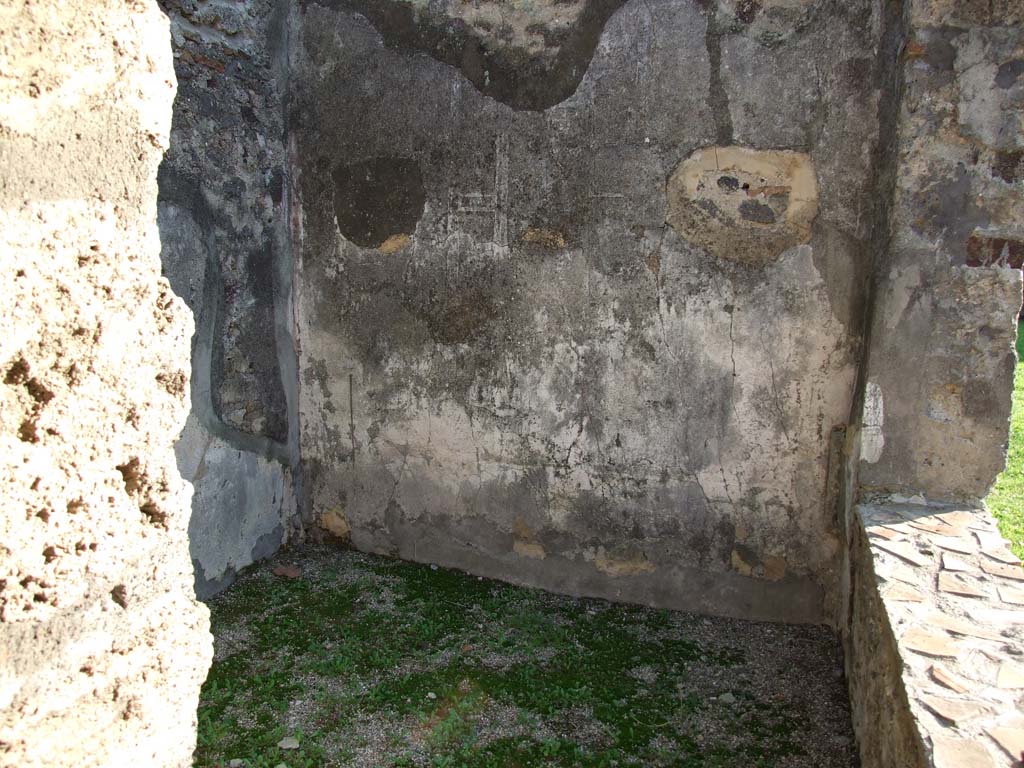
pixel 939 369
pixel 580 287
pixel 225 250
pixel 103 646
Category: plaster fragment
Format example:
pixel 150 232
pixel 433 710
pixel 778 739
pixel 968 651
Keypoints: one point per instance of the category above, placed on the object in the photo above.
pixel 742 204
pixel 528 549
pixel 334 520
pixel 872 441
pixel 622 567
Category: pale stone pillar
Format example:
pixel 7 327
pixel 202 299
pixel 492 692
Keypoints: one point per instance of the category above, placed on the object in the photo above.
pixel 103 646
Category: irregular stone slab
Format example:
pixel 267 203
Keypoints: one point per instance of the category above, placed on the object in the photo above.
pixel 1010 738
pixel 906 551
pixel 1006 571
pixel 950 680
pixel 962 545
pixel 1011 595
pixel 997 616
pixel 957 585
pixel 885 532
pixel 742 204
pixel 927 527
pixel 1010 675
pixel 954 710
pixel 960 626
pixel 900 572
pixel 904 593
pixel 1003 555
pixel 952 752
pixel 994 545
pixel 951 563
pixel 929 643
pixel 901 527
pixel 959 518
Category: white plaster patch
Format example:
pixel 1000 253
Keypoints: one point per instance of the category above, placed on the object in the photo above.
pixel 903 283
pixel 872 441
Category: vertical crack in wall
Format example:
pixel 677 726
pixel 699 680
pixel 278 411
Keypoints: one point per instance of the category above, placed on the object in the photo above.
pixel 889 83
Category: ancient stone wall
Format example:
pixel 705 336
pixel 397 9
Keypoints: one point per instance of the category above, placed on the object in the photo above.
pixel 223 225
pixel 580 287
pixel 935 631
pixel 931 617
pixel 938 372
pixel 103 646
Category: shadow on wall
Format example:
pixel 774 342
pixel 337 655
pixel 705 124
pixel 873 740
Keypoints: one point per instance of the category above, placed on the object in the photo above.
pixel 220 216
pixel 241 488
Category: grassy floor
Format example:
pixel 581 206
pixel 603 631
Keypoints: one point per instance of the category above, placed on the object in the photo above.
pixel 372 662
pixel 1007 497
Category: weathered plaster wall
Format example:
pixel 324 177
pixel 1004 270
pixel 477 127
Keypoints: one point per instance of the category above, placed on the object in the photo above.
pixel 939 369
pixel 580 293
pixel 102 645
pixel 225 251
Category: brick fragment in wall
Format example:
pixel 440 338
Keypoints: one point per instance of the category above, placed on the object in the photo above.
pixel 987 251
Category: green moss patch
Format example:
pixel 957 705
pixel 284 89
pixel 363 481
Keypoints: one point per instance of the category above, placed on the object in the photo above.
pixel 1006 500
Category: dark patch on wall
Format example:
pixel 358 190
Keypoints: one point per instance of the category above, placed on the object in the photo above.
pixel 259 344
pixel 1009 166
pixel 751 210
pixel 728 183
pixel 208 588
pixel 747 10
pixel 223 166
pixel 718 97
pixel 948 206
pixel 1009 72
pixel 509 75
pixel 377 199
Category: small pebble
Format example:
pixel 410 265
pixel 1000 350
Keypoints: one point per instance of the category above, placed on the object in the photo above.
pixel 236 763
pixel 431 695
pixel 727 698
pixel 288 742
